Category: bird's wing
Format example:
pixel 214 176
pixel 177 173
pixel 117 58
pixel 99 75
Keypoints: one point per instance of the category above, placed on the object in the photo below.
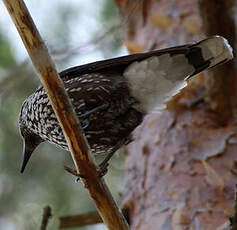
pixel 202 55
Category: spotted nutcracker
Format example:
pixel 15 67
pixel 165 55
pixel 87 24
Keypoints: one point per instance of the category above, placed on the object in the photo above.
pixel 111 97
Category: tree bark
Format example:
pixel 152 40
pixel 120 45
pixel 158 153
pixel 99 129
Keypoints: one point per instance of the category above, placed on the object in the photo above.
pixel 181 169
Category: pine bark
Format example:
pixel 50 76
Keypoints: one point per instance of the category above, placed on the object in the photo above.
pixel 181 170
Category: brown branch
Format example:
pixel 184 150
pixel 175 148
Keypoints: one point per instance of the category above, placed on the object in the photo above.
pixel 85 219
pixel 219 18
pixel 66 116
pixel 46 215
pixel 80 220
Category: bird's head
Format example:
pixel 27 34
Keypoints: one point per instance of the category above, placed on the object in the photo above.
pixel 31 140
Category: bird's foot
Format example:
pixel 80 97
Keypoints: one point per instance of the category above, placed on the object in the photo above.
pixel 103 169
pixel 74 173
pixel 103 166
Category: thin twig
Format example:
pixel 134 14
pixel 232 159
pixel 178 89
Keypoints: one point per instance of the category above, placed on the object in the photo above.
pixel 85 219
pixel 80 220
pixel 66 116
pixel 46 215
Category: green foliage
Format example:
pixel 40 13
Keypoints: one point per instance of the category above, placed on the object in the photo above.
pixel 6 56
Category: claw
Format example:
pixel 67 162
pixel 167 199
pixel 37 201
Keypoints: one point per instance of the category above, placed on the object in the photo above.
pixel 103 169
pixel 75 173
pixel 104 164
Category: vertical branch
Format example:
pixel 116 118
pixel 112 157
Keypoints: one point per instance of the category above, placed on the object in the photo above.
pixel 218 18
pixel 66 116
pixel 45 219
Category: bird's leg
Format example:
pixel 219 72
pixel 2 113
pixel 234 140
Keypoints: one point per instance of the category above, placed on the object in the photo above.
pixel 104 164
pixel 102 172
pixel 79 176
pixel 75 173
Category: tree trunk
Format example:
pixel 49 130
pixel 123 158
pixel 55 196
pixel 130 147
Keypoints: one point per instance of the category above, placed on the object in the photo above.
pixel 181 170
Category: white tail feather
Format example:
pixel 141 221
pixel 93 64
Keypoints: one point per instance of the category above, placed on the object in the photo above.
pixel 154 80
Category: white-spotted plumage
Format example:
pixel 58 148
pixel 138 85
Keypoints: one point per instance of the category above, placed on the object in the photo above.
pixel 111 97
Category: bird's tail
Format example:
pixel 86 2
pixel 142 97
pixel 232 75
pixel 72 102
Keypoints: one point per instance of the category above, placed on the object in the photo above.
pixel 161 74
pixel 209 53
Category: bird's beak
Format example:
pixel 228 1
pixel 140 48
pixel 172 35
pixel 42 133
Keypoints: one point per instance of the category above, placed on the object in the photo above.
pixel 27 152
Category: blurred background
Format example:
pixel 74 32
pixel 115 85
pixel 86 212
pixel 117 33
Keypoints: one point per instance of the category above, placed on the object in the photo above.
pixel 76 32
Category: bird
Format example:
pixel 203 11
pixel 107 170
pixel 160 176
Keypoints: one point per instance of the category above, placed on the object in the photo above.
pixel 111 97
